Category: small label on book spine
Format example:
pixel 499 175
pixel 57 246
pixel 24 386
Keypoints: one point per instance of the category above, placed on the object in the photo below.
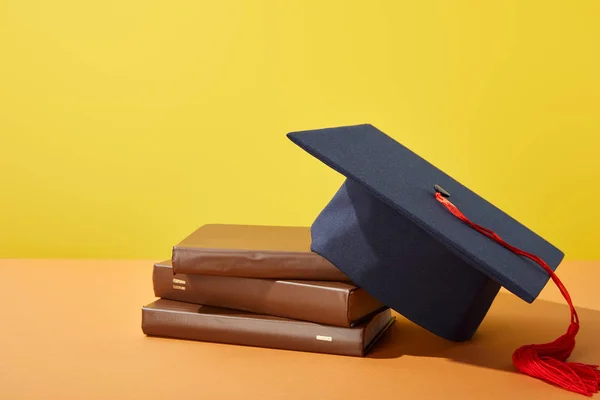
pixel 324 338
pixel 180 281
pixel 177 287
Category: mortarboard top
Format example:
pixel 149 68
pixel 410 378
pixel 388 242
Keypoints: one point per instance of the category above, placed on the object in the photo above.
pixel 385 229
pixel 433 250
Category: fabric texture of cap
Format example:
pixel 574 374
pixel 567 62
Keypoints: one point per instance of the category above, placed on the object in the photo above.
pixel 386 231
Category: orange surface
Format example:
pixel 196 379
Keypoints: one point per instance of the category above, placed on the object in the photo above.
pixel 71 330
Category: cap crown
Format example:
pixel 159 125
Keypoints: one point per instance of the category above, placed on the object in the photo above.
pixel 405 182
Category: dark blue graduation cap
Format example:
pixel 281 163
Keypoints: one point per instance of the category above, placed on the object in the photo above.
pixel 401 228
pixel 433 250
pixel 385 229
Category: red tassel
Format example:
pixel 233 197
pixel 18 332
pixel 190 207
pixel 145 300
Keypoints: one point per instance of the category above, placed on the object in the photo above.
pixel 547 361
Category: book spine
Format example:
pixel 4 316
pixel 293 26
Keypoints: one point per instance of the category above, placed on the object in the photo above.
pixel 287 335
pixel 252 264
pixel 289 299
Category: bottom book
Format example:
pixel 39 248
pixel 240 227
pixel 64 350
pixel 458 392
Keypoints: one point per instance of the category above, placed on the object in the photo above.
pixel 179 320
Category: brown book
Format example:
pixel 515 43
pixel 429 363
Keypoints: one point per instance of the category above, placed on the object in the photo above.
pixel 327 302
pixel 179 320
pixel 253 251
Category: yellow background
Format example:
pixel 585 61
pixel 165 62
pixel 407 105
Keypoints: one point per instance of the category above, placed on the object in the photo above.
pixel 126 124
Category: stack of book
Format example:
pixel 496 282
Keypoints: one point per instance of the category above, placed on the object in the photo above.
pixel 261 286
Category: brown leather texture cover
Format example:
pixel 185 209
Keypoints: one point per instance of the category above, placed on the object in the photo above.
pixel 327 302
pixel 253 251
pixel 180 320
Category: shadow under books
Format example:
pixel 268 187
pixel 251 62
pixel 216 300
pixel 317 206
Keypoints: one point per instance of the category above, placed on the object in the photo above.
pixel 509 324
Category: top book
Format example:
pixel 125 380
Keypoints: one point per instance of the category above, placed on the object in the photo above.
pixel 253 251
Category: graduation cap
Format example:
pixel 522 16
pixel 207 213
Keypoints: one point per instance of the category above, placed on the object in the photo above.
pixel 432 249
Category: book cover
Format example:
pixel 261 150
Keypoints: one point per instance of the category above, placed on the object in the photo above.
pixel 252 251
pixel 327 302
pixel 179 320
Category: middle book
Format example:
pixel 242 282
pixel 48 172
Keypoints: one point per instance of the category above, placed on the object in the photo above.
pixel 326 302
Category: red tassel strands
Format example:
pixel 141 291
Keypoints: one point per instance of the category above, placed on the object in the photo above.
pixel 547 361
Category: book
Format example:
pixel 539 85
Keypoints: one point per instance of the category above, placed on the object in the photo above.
pixel 252 251
pixel 327 302
pixel 179 320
